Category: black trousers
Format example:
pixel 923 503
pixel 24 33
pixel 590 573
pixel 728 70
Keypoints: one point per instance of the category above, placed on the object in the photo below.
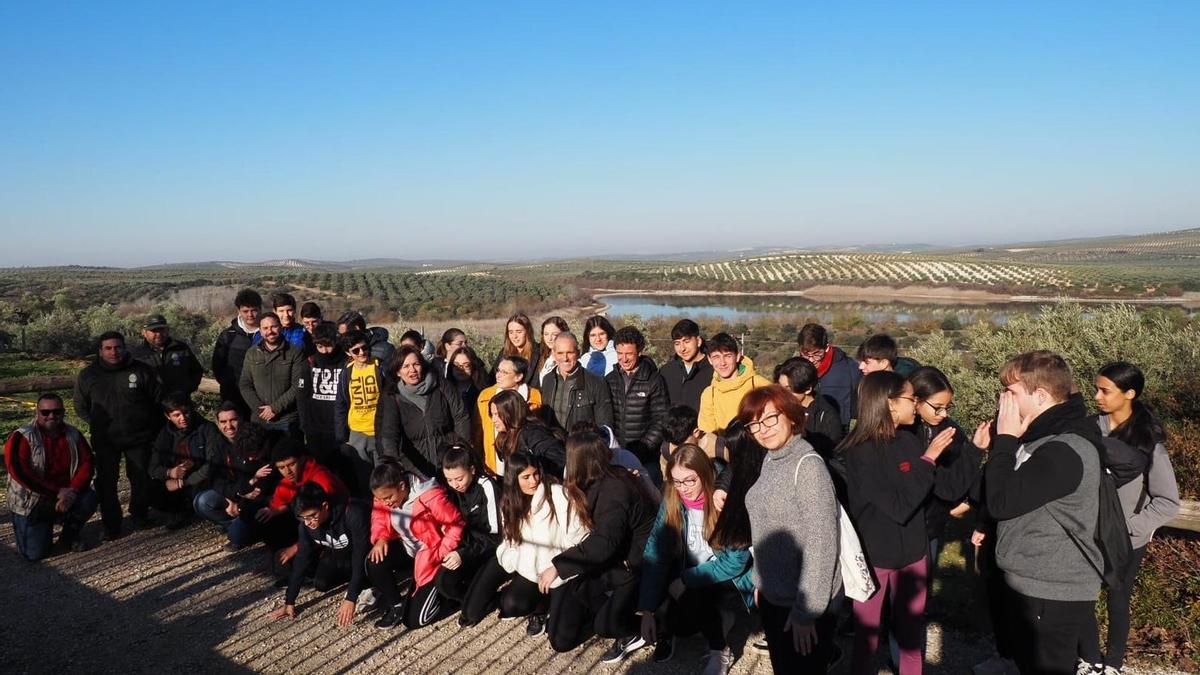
pixel 387 574
pixel 604 605
pixel 454 584
pixel 1118 619
pixel 171 501
pixel 333 569
pixel 520 598
pixel 1047 633
pixel 708 610
pixel 784 657
pixel 997 595
pixel 108 472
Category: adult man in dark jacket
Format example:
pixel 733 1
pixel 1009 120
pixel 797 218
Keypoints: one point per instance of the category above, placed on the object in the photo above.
pixel 837 374
pixel 180 466
pixel 232 344
pixel 640 403
pixel 118 397
pixel 177 367
pixel 271 377
pixel 571 393
pixel 689 373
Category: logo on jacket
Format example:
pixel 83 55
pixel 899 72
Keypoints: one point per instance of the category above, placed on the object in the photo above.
pixel 905 467
pixel 336 542
pixel 133 380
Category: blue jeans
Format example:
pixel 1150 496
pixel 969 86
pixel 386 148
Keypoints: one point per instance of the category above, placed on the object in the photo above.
pixel 35 533
pixel 210 505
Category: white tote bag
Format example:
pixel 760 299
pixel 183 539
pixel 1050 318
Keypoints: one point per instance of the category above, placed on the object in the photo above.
pixel 857 580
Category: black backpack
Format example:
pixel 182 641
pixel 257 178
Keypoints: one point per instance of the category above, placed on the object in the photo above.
pixel 1112 531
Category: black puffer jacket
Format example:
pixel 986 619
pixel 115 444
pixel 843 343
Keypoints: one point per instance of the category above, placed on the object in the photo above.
pixel 120 402
pixel 639 410
pixel 228 355
pixel 419 439
pixel 480 509
pixel 823 426
pixel 683 387
pixel 178 368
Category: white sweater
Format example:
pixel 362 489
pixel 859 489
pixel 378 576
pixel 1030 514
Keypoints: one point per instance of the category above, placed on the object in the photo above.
pixel 541 537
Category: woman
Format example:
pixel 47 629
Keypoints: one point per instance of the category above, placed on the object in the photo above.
pixel 519 430
pixel 889 477
pixel 512 374
pixel 703 579
pixel 477 496
pixel 795 535
pixel 822 423
pixel 419 416
pixel 414 527
pixel 1150 501
pixel 452 340
pixel 538 524
pixel 608 561
pixel 544 364
pixel 601 356
pixel 518 340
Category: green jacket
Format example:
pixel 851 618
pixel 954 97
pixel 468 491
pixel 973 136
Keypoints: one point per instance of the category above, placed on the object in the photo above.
pixel 272 378
pixel 664 560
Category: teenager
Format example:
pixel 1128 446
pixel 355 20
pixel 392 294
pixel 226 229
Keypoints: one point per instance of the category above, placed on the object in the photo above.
pixel 703 581
pixel 360 388
pixel 469 377
pixel 477 496
pixel 795 534
pixel 452 340
pixel 640 402
pixel 284 305
pixel 539 522
pixel 518 340
pixel 837 374
pixel 1149 501
pixel 295 469
pixel 822 424
pixel 880 352
pixel 229 352
pixel 317 399
pixel 601 356
pixel 377 336
pixel 733 377
pixel 419 416
pixel 310 317
pixel 243 480
pixel 688 372
pixel 544 363
pixel 179 461
pixel 512 373
pixel 680 428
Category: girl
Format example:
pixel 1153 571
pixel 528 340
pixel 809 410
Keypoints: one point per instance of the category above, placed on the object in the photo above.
pixel 452 340
pixel 512 372
pixel 467 375
pixel 477 496
pixel 822 424
pixel 544 364
pixel 519 430
pixel 706 577
pixel 889 477
pixel 538 524
pixel 601 355
pixel 419 416
pixel 518 340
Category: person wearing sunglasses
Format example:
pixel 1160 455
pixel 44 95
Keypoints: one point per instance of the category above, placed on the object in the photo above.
pixel 359 387
pixel 49 466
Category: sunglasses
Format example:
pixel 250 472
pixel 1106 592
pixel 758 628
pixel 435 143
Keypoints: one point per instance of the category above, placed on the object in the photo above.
pixel 358 350
pixel 51 412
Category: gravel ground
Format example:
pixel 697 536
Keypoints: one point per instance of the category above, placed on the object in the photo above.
pixel 159 600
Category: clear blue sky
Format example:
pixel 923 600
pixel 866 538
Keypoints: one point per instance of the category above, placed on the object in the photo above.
pixel 138 133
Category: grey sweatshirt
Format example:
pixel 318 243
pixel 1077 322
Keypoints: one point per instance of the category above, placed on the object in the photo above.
pixel 1162 495
pixel 794 518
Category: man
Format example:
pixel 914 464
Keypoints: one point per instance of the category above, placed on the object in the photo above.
pixel 317 400
pixel 689 372
pixel 571 394
pixel 733 377
pixel 295 469
pixel 49 478
pixel 1042 481
pixel 837 374
pixel 880 352
pixel 118 397
pixel 639 398
pixel 360 384
pixel 284 305
pixel 271 377
pixel 229 353
pixel 377 336
pixel 310 316
pixel 180 464
pixel 177 367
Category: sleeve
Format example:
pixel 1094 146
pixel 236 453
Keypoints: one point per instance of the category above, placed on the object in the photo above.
pixel 304 558
pixel 83 474
pixel 604 406
pixel 161 448
pixel 246 387
pixel 604 542
pixel 220 356
pixel 476 542
pixel 1163 494
pixel 880 482
pixel 390 439
pixel 83 397
pixel 458 411
pixel 360 546
pixel 658 554
pixel 954 475
pixel 1052 472
pixel 727 565
pixel 201 474
pixel 707 419
pixel 724 479
pixel 656 409
pixel 304 399
pixel 195 370
pixel 16 461
pixel 287 399
pixel 549 450
pixel 341 406
pixel 817 538
pixel 451 522
pixel 381 522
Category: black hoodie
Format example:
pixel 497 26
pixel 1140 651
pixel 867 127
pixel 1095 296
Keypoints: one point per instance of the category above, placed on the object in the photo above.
pixel 320 381
pixel 120 402
pixel 198 440
pixel 684 387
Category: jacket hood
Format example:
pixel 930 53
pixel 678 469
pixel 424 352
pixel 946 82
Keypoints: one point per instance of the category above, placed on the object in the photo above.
pixel 744 375
pixel 377 334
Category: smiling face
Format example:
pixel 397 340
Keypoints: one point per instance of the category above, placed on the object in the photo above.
pixel 687 348
pixel 506 375
pixel 627 357
pixel 392 496
pixel 287 315
pixel 1109 397
pixel 598 338
pixel 272 334
pixel 903 407
pixel 227 422
pixel 549 333
pixel 178 418
pixel 725 363
pixel 687 483
pixel 530 479
pixel 314 518
pixel 936 409
pixel 566 355
pixel 771 428
pixel 360 352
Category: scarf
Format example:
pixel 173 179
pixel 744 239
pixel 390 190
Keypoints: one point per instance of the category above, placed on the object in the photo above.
pixel 696 505
pixel 826 361
pixel 417 394
pixel 597 363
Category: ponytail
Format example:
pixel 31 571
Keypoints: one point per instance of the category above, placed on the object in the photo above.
pixel 388 473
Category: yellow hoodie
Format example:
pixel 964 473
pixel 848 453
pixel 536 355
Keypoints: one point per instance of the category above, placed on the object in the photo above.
pixel 720 400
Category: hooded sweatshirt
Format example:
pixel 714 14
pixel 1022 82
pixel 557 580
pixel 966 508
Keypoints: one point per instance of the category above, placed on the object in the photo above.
pixel 228 355
pixel 195 444
pixel 317 398
pixel 719 402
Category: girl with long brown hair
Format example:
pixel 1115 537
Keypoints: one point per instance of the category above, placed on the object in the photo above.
pixel 519 430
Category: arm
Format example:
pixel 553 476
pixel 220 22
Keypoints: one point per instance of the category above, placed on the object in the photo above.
pixel 816 535
pixel 875 478
pixel 304 557
pixel 20 469
pixel 658 555
pixel 656 408
pixel 604 542
pixel 195 370
pixel 390 439
pixel 957 469
pixel 220 356
pixel 287 399
pixel 1053 472
pixel 83 474
pixel 604 406
pixel 341 407
pixel 162 446
pixel 204 468
pixel 83 398
pixel 458 412
pixel 1162 493
pixel 707 420
pixel 727 565
pixel 246 386
pixel 358 523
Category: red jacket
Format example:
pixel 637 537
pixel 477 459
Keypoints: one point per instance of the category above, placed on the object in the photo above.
pixel 435 521
pixel 57 473
pixel 309 471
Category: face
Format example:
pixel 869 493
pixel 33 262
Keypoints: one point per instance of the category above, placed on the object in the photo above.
pixel 772 429
pixel 287 315
pixel 249 315
pixel 310 323
pixel 179 418
pixel 459 479
pixel 1109 396
pixel 456 344
pixel 271 332
pixel 288 468
pixel 517 334
pixel 462 367
pixel 627 357
pixel 687 482
pixel 158 337
pixel 314 518
pixel 687 348
pixel 360 352
pixel 323 347
pixel 227 422
pixel 50 414
pixel 566 355
pixel 903 407
pixel 497 421
pixel 1028 403
pixel 598 338
pixel 784 382
pixel 393 496
pixel 725 363
pixel 506 375
pixel 529 480
pixel 343 328
pixel 549 333
pixel 112 351
pixel 411 370
pixel 869 365
pixel 936 409
pixel 813 355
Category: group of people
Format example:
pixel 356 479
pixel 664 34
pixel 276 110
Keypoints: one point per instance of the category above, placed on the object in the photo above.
pixel 573 482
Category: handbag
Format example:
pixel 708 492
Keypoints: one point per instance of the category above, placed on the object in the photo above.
pixel 857 578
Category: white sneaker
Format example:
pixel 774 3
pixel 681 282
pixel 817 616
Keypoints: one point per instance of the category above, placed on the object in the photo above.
pixel 366 601
pixel 1112 670
pixel 1084 668
pixel 719 662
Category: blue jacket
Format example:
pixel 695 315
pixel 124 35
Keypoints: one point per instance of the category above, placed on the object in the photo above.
pixel 664 559
pixel 839 385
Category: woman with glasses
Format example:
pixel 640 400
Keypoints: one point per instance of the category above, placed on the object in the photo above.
pixel 890 476
pixel 359 389
pixel 694 581
pixel 601 356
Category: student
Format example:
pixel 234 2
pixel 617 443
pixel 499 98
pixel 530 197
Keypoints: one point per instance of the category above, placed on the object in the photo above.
pixel 377 336
pixel 572 393
pixel 600 357
pixel 512 373
pixel 477 496
pixel 733 377
pixel 310 317
pixel 880 352
pixel 229 352
pixel 680 428
pixel 639 397
pixel 837 374
pixel 243 479
pixel 544 363
pixel 703 581
pixel 284 305
pixel 688 373
pixel 539 522
pixel 795 534
pixel 452 340
pixel 419 416
pixel 469 377
pixel 295 469
pixel 607 563
pixel 334 536
pixel 1149 501
pixel 822 424
pixel 519 430
pixel 360 385
pixel 317 400
pixel 179 461
pixel 1042 479
pixel 518 340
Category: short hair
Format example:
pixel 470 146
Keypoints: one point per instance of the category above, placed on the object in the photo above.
pixel 879 346
pixel 812 336
pixel 520 365
pixel 310 310
pixel 247 297
pixel 325 333
pixel 723 342
pixel 269 315
pixel 414 336
pixel 176 401
pixel 801 375
pixel 310 496
pixel 49 396
pixel 403 353
pixel 109 335
pixel 353 337
pixel 282 300
pixel 755 402
pixel 685 328
pixel 566 334
pixel 287 449
pixel 680 422
pixel 1040 369
pixel 388 473
pixel 630 336
pixel 928 381
pixel 352 320
pixel 595 321
pixel 229 406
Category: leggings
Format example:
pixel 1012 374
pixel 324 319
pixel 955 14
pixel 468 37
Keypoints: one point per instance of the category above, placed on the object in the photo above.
pixel 781 646
pixel 454 584
pixel 906 587
pixel 1118 619
pixel 605 605
pixel 708 610
pixel 520 598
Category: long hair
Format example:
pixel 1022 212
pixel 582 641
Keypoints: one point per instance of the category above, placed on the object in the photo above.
pixel 459 456
pixel 478 369
pixel 732 529
pixel 589 460
pixel 875 423
pixel 516 506
pixel 691 457
pixel 1142 430
pixel 514 412
pixel 449 336
pixel 928 381
pixel 546 351
pixel 510 349
pixel 597 321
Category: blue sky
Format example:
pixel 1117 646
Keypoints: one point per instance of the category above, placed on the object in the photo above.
pixel 139 133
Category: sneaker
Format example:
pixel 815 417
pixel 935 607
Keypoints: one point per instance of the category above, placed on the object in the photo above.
pixel 537 625
pixel 1084 668
pixel 391 618
pixel 366 601
pixel 622 647
pixel 463 622
pixel 760 645
pixel 1112 670
pixel 664 649
pixel 719 662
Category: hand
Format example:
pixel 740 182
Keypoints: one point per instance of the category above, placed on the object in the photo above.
pixel 253 494
pixel 286 554
pixel 546 578
pixel 66 497
pixel 287 610
pixel 756 600
pixel 264 514
pixel 264 471
pixel 345 613
pixel 175 471
pixel 265 413
pixel 977 538
pixel 939 443
pixel 452 561
pixel 983 435
pixel 676 589
pixel 1008 420
pixel 804 636
pixel 174 484
pixel 960 510
pixel 649 628
pixel 232 509
pixel 378 551
pixel 719 498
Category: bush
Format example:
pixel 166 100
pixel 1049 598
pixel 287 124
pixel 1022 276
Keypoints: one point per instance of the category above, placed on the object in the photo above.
pixel 1165 611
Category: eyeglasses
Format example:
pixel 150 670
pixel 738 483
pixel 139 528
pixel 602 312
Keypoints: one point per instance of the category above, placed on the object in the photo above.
pixel 358 350
pixel 765 423
pixel 910 399
pixel 51 412
pixel 686 482
pixel 506 371
pixel 813 355
pixel 940 410
pixel 308 519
